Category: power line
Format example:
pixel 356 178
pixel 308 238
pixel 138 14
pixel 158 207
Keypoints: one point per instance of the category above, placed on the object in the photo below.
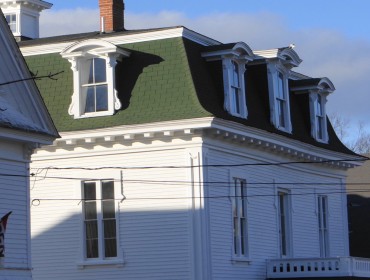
pixel 205 165
pixel 37 201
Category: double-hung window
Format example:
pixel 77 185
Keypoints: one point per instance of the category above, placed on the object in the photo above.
pixel 318 117
pixel 284 223
pixel 100 225
pixel 95 88
pixel 12 22
pixel 322 204
pixel 281 102
pixel 239 209
pixel 236 97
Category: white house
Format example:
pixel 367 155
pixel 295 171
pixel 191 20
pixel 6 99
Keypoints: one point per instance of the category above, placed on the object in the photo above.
pixel 24 125
pixel 185 158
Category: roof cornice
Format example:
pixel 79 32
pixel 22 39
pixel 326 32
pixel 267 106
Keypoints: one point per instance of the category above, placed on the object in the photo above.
pixel 117 39
pixel 214 128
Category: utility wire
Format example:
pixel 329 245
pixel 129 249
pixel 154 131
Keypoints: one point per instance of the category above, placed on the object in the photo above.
pixel 205 165
pixel 37 201
pixel 35 77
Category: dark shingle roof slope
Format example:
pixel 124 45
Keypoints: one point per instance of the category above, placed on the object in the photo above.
pixel 165 80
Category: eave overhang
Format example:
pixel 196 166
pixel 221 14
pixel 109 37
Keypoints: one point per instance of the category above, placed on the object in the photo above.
pixel 207 128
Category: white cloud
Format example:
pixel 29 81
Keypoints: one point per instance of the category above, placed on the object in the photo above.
pixel 325 52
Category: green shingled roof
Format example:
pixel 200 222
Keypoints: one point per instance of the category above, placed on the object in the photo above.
pixel 154 84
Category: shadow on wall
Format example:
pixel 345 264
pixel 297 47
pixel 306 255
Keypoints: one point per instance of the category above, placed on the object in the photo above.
pixel 154 245
pixel 359 225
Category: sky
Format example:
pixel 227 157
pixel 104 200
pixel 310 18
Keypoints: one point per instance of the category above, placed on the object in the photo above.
pixel 332 37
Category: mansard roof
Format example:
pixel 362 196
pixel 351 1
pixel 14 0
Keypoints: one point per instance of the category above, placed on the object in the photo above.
pixel 167 79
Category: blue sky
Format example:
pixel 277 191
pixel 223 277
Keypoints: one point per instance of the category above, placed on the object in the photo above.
pixel 331 36
pixel 350 17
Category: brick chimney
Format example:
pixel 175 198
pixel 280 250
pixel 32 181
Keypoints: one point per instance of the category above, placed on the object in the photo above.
pixel 111 15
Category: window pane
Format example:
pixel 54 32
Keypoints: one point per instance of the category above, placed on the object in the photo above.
pixel 90 99
pixel 90 64
pixel 100 70
pixel 101 98
pixel 108 209
pixel 110 228
pixel 108 190
pixel 90 210
pixel 110 248
pixel 92 248
pixel 89 191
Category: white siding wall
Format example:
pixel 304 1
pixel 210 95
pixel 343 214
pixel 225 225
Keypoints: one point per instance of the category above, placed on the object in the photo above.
pixel 155 219
pixel 14 191
pixel 262 210
pixel 162 233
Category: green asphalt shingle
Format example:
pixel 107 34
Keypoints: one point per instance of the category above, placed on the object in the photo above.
pixel 154 84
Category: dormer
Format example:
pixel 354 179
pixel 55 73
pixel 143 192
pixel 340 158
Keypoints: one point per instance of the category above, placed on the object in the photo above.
pixel 23 17
pixel 317 89
pixel 279 64
pixel 93 64
pixel 234 58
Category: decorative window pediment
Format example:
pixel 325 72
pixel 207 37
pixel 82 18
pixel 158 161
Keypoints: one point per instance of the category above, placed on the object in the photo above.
pixel 318 90
pixel 93 64
pixel 234 59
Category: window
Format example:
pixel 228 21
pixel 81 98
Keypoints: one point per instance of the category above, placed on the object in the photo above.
pixel 322 203
pixel 12 22
pixel 236 94
pixel 281 101
pixel 279 97
pixel 100 229
pixel 284 223
pixel 234 60
pixel 94 90
pixel 239 208
pixel 318 117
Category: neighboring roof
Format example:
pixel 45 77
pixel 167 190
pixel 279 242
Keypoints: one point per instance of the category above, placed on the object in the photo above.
pixel 21 105
pixel 167 79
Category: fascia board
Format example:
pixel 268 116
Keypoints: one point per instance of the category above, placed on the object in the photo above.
pixel 125 39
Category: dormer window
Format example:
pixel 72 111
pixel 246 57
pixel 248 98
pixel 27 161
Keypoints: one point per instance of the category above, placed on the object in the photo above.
pixel 319 129
pixel 12 22
pixel 279 97
pixel 235 88
pixel 318 90
pixel 282 102
pixel 234 59
pixel 279 63
pixel 93 65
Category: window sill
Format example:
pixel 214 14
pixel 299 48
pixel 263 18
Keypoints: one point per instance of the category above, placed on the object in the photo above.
pixel 89 263
pixel 240 260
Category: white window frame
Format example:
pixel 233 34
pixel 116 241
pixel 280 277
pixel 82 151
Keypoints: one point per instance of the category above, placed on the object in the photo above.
pixel 101 260
pixel 285 228
pixel 235 94
pixel 13 24
pixel 323 225
pixel 78 54
pixel 278 76
pixel 319 129
pixel 239 202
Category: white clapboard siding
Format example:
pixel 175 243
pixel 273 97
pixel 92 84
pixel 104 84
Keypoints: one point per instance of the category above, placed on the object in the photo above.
pixel 14 197
pixel 154 219
pixel 262 211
